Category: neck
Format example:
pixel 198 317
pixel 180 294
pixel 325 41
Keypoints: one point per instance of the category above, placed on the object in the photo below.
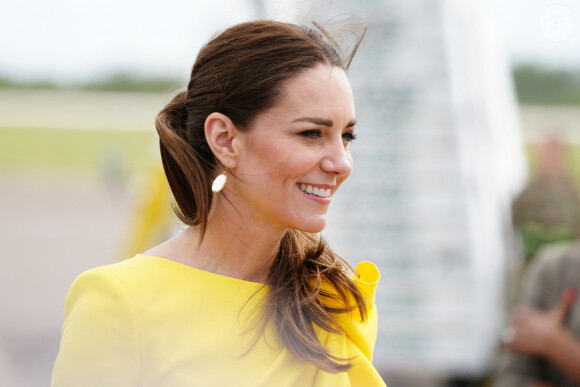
pixel 234 245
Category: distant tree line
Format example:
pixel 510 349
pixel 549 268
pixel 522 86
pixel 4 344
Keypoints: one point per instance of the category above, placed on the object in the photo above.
pixel 542 85
pixel 122 82
pixel 534 84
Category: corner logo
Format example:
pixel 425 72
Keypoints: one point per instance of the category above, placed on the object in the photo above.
pixel 557 23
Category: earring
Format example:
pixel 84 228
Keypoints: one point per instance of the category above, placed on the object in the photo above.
pixel 219 182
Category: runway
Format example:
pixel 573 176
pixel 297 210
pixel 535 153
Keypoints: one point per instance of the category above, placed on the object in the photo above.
pixel 51 229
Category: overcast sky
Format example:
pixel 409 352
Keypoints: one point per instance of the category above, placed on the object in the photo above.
pixel 545 31
pixel 68 40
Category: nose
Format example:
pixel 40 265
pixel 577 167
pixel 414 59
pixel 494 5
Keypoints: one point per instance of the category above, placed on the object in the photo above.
pixel 337 160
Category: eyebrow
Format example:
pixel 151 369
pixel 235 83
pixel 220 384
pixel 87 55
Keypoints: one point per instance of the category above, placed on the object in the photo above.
pixel 322 121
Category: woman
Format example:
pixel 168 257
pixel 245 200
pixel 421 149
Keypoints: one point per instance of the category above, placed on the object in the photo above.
pixel 248 295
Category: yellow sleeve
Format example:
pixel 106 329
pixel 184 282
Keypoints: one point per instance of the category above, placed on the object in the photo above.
pixel 99 345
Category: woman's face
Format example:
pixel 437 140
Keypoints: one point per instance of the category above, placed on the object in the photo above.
pixel 295 155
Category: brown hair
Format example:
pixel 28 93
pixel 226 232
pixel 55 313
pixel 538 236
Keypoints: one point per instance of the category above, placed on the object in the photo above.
pixel 238 74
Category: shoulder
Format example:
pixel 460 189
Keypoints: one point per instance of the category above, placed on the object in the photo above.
pixel 551 259
pixel 130 272
pixel 147 281
pixel 554 267
pixel 95 290
pixel 99 334
pixel 110 284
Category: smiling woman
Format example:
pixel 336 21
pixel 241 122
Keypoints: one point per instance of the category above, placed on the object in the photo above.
pixel 249 290
pixel 285 149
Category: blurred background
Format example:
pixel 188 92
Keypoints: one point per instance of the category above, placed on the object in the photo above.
pixel 465 110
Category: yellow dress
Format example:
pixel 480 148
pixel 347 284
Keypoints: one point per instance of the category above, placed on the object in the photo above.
pixel 152 322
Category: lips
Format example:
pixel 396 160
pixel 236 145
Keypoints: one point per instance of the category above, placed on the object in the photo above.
pixel 313 190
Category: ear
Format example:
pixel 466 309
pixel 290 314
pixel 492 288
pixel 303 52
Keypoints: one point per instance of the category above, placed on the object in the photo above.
pixel 221 135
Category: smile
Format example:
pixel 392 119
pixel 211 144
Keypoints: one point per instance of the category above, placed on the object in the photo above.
pixel 320 192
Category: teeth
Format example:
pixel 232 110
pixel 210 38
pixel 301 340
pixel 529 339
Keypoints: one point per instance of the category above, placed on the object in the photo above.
pixel 323 193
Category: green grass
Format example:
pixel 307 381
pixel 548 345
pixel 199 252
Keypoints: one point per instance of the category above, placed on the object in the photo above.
pixel 88 152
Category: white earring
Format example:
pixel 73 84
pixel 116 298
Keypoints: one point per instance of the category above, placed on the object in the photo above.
pixel 219 182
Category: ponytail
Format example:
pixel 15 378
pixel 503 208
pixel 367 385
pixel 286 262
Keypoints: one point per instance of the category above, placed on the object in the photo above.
pixel 186 168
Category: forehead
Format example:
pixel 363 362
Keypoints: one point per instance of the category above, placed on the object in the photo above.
pixel 321 90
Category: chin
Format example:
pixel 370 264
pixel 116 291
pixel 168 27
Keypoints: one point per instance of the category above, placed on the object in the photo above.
pixel 312 227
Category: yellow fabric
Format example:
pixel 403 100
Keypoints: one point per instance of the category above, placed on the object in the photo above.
pixel 148 321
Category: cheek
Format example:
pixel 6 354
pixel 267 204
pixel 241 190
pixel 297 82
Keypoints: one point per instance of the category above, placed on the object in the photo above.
pixel 260 155
pixel 285 157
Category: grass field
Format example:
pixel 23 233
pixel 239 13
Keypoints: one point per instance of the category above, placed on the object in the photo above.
pixel 75 132
pixel 87 152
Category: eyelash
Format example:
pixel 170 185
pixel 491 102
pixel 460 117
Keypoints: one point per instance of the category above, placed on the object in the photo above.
pixel 349 136
pixel 315 133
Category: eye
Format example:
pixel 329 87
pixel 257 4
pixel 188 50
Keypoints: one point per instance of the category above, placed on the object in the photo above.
pixel 312 133
pixel 349 136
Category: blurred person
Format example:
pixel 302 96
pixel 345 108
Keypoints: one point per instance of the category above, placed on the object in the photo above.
pixel 542 343
pixel 249 294
pixel 548 208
